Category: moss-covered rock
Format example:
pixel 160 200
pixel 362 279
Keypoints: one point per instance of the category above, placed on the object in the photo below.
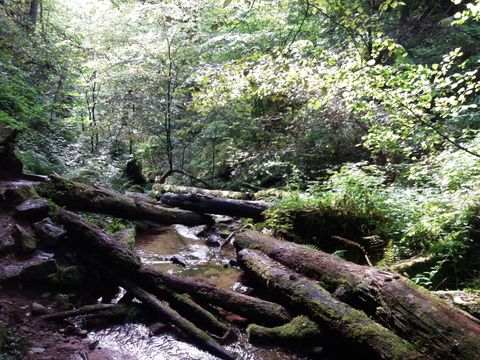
pixel 25 242
pixel 68 277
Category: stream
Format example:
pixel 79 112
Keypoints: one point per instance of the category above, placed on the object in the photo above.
pixel 133 342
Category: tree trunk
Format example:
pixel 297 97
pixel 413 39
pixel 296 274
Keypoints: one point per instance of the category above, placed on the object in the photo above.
pixel 391 299
pixel 82 197
pixel 33 13
pixel 11 165
pixel 215 205
pixel 367 338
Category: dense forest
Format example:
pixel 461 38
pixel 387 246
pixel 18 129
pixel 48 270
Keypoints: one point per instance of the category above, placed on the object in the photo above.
pixel 350 127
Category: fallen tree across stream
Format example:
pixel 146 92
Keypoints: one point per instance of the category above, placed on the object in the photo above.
pixel 443 331
pixel 216 205
pixel 367 338
pixel 82 197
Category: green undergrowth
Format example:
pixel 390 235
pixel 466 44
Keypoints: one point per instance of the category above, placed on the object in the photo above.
pixel 12 345
pixel 427 208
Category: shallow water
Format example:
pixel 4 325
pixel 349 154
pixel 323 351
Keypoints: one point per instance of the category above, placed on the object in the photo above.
pixel 203 261
pixel 133 342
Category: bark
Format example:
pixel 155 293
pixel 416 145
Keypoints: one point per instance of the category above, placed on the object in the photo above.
pixel 33 13
pixel 367 337
pixel 82 197
pixel 215 205
pixel 163 188
pixel 99 309
pixel 391 299
pixel 256 310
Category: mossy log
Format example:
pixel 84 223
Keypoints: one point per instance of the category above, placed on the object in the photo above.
pixel 412 312
pixel 216 205
pixel 254 309
pixel 367 338
pixel 160 189
pixel 301 331
pixel 82 197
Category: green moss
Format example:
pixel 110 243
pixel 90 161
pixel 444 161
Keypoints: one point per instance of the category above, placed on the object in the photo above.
pixel 300 330
pixel 69 277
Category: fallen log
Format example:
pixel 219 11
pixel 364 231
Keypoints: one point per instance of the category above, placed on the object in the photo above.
pixel 412 312
pixel 99 309
pixel 216 205
pixel 368 338
pixel 82 197
pixel 254 309
pixel 160 189
pixel 198 336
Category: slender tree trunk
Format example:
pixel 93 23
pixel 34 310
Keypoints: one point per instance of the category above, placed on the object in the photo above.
pixel 33 13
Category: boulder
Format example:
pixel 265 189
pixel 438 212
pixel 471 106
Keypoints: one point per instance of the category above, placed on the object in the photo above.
pixel 33 209
pixel 68 277
pixel 25 242
pixel 214 240
pixel 7 245
pixel 179 260
pixel 49 233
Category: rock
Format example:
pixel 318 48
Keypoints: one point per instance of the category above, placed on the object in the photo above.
pixel 38 272
pixel 68 277
pixel 35 268
pixel 185 231
pixel 233 263
pixel 126 237
pixel 39 309
pixel 83 333
pixel 93 344
pixel 179 260
pixel 25 242
pixel 7 245
pixel 157 328
pixel 49 233
pixel 214 240
pixel 34 209
pixel 198 230
pixel 242 289
pixel 10 272
pixel 37 350
pixel 468 301
pixel 64 301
